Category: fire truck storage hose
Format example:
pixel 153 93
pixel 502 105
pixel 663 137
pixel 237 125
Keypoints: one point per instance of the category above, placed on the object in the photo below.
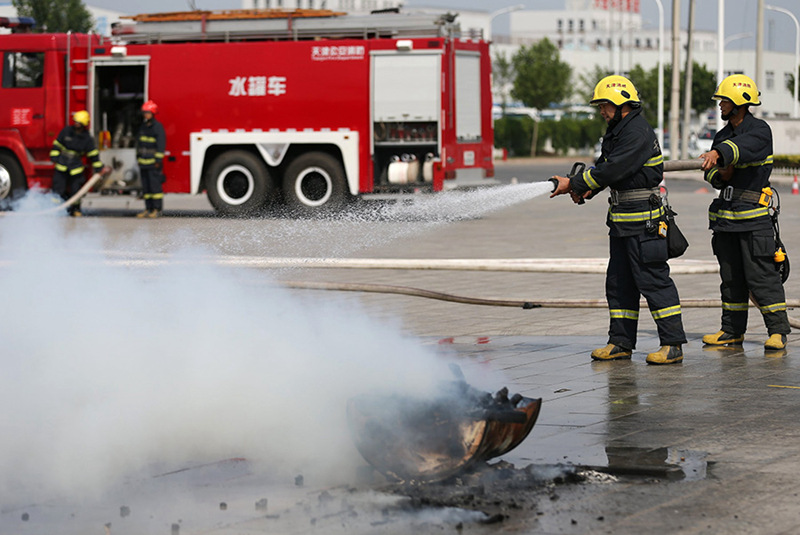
pixel 80 193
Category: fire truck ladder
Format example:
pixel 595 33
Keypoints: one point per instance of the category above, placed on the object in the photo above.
pixel 70 62
pixel 282 25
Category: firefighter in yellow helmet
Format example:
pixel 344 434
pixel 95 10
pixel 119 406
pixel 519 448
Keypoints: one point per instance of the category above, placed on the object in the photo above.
pixel 739 165
pixel 631 167
pixel 69 148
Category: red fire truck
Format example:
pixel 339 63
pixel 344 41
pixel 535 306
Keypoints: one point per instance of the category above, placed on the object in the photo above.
pixel 303 107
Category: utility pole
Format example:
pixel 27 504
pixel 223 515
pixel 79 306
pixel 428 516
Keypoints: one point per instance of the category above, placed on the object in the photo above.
pixel 687 95
pixel 674 102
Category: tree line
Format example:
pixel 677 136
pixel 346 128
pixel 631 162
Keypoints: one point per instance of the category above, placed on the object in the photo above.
pixel 537 77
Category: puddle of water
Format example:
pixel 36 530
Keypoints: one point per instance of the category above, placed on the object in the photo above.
pixel 663 463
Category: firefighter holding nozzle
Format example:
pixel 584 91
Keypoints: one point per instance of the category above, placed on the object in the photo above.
pixel 739 165
pixel 150 146
pixel 72 144
pixel 631 166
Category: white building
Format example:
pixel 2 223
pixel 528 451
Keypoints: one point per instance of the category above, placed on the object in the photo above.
pixel 589 34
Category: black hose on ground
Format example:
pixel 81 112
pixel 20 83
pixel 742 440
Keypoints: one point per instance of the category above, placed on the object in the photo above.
pixel 513 303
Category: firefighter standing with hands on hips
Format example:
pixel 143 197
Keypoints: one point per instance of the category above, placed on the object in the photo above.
pixel 631 165
pixel 739 164
pixel 72 144
pixel 150 146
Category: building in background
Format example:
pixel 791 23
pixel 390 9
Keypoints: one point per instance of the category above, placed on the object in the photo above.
pixel 611 34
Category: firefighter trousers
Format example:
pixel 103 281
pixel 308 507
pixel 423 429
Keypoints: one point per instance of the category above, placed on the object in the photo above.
pixel 67 185
pixel 746 266
pixel 152 180
pixel 638 266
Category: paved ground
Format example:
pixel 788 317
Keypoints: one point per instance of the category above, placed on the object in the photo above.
pixel 708 446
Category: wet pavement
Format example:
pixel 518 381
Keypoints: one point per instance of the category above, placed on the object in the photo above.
pixel 705 446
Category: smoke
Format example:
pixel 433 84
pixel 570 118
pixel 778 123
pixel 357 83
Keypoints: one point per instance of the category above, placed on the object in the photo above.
pixel 108 371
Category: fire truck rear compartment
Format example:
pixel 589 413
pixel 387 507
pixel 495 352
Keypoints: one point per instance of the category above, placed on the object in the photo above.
pixel 119 92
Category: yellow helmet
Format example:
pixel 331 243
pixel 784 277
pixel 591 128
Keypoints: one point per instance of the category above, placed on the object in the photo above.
pixel 739 89
pixel 615 89
pixel 81 117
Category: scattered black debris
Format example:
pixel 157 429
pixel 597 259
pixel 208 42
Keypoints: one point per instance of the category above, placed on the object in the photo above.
pixel 298 480
pixel 497 490
pixel 25 517
pixel 494 519
pixel 261 505
pixel 124 511
pixel 176 529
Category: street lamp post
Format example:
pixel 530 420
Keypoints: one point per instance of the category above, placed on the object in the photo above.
pixel 796 50
pixel 509 9
pixel 720 53
pixel 660 73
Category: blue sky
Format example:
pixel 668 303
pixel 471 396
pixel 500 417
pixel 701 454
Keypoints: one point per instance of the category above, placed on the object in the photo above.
pixel 740 15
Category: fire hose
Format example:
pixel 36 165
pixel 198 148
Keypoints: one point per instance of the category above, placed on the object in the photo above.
pixel 57 208
pixel 513 303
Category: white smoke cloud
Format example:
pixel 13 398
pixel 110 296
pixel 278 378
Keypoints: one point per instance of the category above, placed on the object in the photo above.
pixel 106 370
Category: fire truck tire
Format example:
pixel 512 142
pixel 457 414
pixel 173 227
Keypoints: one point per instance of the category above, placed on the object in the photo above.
pixel 12 180
pixel 314 182
pixel 238 183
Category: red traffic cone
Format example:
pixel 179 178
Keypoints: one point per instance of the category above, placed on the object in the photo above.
pixel 795 188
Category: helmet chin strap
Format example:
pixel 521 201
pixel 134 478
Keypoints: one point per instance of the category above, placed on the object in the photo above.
pixel 617 117
pixel 734 111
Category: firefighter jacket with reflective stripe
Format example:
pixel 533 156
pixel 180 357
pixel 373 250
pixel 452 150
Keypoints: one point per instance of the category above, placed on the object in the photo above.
pixel 748 148
pixel 150 144
pixel 630 159
pixel 70 147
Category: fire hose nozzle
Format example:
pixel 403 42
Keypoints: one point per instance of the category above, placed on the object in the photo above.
pixel 555 183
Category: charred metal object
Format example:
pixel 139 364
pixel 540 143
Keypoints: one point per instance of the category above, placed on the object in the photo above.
pixel 431 439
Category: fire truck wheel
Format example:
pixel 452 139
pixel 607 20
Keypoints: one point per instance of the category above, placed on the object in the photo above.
pixel 315 182
pixel 238 183
pixel 12 180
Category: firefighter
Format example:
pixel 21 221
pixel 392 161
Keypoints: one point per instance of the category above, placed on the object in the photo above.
pixel 72 144
pixel 631 166
pixel 150 145
pixel 739 164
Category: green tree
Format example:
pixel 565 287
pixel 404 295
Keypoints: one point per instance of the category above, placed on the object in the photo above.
pixel 56 15
pixel 790 83
pixel 502 77
pixel 587 82
pixel 542 79
pixel 704 82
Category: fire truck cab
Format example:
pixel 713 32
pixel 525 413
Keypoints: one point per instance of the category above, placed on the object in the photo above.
pixel 305 108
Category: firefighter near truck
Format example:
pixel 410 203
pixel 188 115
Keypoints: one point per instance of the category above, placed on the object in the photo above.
pixel 307 109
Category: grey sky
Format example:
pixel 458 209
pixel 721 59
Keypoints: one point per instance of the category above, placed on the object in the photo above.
pixel 740 15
